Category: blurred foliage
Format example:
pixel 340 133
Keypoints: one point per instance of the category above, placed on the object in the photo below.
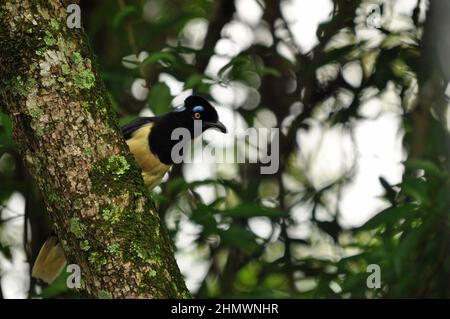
pixel 409 239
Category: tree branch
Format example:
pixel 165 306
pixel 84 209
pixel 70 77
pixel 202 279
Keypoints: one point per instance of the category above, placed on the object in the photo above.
pixel 68 138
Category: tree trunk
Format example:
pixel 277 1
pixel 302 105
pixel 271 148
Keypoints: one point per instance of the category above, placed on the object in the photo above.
pixel 68 138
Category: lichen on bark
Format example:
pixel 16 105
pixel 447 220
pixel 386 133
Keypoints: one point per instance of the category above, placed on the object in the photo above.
pixel 68 137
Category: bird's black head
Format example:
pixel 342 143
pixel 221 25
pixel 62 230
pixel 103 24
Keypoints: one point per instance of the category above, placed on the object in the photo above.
pixel 197 108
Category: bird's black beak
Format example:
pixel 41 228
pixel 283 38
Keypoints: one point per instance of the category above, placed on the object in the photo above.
pixel 218 125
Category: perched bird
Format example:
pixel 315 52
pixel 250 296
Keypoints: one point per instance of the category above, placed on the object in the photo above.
pixel 150 141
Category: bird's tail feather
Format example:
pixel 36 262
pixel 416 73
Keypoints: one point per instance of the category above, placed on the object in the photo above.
pixel 50 261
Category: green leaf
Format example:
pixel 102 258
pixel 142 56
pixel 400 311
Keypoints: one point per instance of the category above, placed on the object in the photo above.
pixel 6 251
pixel 160 98
pixel 124 13
pixel 248 210
pixel 203 216
pixel 336 55
pixel 428 166
pixel 196 81
pixel 193 81
pixel 161 56
pixel 239 237
pixel 416 188
pixel 6 124
pixel 390 216
pixel 353 282
pixel 242 65
pixel 408 246
pixel 268 71
pixel 391 194
pixel 58 287
pixel 183 49
pixel 235 62
pixel 248 275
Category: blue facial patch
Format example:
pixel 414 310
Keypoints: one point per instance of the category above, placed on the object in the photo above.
pixel 198 108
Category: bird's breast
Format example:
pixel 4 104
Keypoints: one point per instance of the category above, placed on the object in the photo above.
pixel 153 169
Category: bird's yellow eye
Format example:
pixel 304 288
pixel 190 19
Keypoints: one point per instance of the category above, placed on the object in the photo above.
pixel 197 115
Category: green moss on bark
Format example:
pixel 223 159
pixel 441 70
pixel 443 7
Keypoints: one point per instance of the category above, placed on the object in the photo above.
pixel 66 131
pixel 112 175
pixel 77 227
pixel 112 215
pixel 97 261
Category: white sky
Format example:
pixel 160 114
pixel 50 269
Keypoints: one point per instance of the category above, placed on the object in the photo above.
pixel 378 141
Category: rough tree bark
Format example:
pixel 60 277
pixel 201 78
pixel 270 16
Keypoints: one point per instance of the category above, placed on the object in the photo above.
pixel 67 135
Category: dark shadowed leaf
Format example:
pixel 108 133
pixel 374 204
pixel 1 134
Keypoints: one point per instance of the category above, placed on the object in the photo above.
pixel 416 188
pixel 239 237
pixel 252 210
pixel 6 251
pixel 390 216
pixel 160 98
pixel 428 166
pixel 408 246
pixel 391 194
pixel 165 57
pixel 123 14
pixel 6 124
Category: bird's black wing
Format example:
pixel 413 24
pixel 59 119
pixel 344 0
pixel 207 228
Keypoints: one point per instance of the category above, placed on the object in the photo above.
pixel 130 128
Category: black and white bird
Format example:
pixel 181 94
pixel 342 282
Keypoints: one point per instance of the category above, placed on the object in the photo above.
pixel 150 138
